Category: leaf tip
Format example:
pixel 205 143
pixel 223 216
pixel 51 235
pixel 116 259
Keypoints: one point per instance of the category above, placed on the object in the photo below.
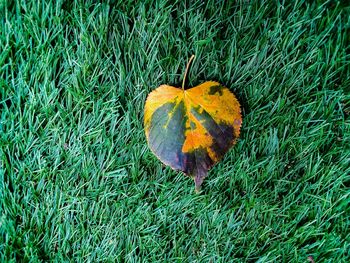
pixel 198 189
pixel 198 179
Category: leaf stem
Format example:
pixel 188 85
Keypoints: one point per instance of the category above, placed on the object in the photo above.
pixel 187 67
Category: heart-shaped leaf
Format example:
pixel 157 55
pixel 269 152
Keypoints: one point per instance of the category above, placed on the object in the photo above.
pixel 191 129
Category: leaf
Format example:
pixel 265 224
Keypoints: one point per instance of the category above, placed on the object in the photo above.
pixel 191 130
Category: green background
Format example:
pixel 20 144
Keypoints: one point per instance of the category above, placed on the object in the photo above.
pixel 77 180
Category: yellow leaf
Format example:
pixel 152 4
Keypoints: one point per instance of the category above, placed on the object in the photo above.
pixel 191 129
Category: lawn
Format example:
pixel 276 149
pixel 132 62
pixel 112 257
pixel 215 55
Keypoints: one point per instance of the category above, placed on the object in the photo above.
pixel 78 182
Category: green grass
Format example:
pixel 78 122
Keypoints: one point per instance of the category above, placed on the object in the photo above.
pixel 77 180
